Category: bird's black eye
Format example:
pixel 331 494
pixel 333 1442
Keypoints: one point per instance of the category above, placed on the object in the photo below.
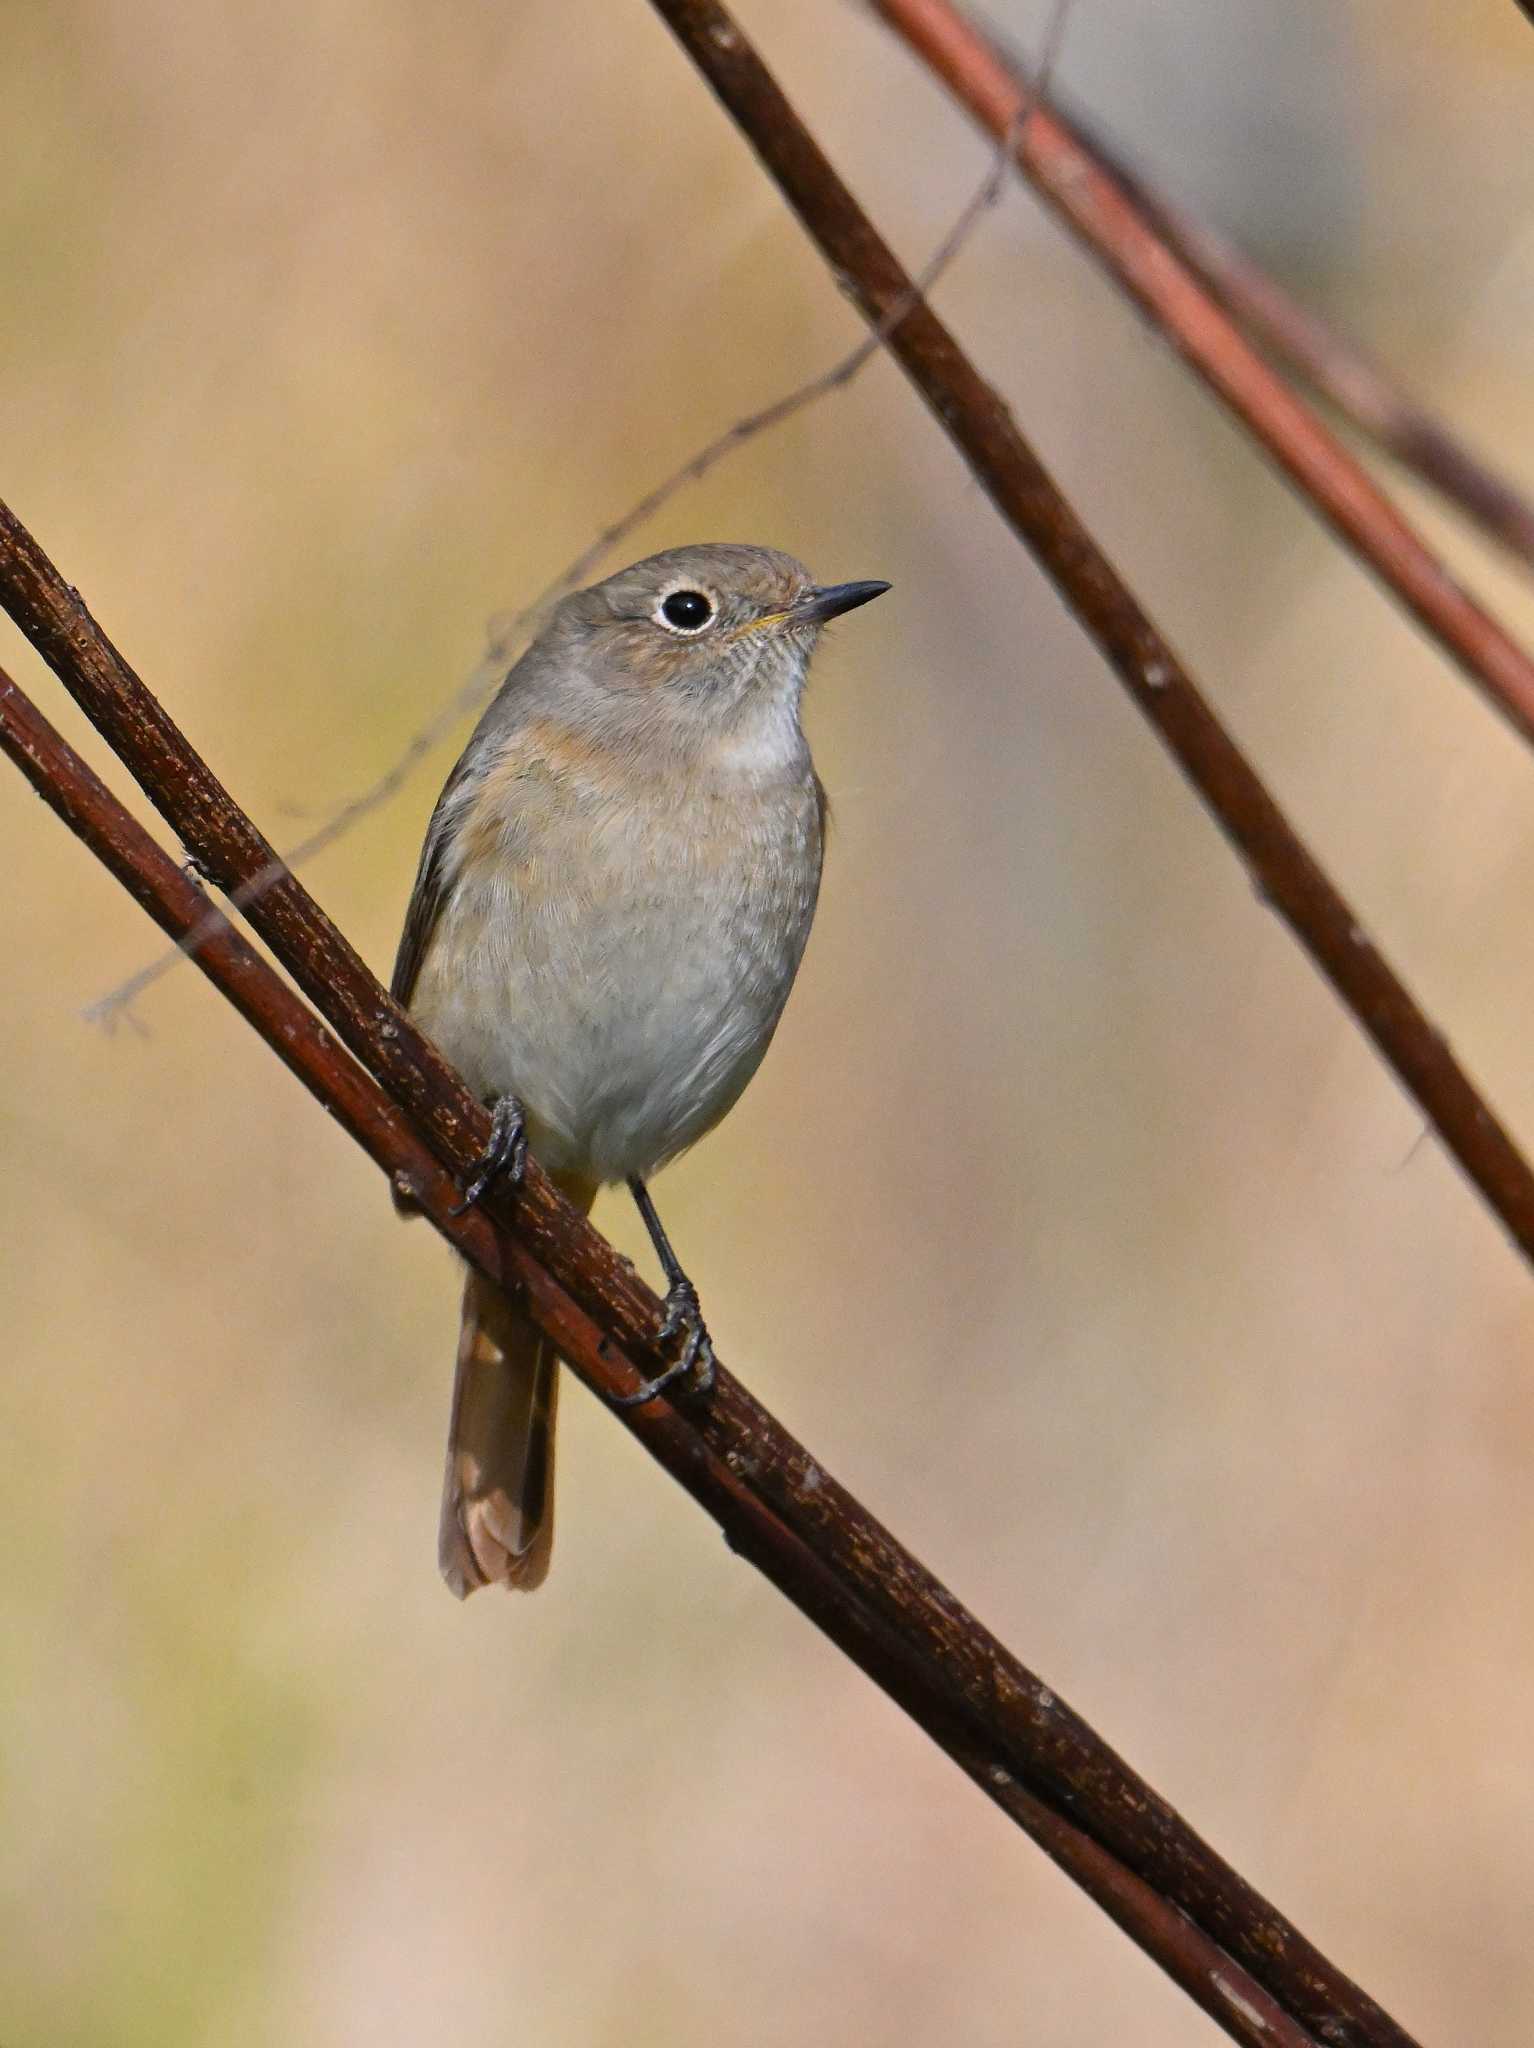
pixel 686 611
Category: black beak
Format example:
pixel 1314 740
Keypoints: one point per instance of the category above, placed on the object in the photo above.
pixel 830 600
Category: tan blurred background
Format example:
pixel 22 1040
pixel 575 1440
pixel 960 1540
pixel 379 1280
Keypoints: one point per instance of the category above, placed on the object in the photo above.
pixel 329 331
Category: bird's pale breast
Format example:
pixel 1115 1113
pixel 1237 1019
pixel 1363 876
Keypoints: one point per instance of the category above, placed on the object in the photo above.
pixel 618 938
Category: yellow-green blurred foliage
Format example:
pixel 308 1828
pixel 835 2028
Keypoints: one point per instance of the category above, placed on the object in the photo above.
pixel 331 330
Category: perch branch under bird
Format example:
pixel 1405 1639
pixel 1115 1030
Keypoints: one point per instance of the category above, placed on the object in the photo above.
pixel 367 1063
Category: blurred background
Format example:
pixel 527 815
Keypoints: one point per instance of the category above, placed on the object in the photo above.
pixel 333 330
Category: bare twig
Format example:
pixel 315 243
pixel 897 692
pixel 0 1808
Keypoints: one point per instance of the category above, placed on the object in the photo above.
pixel 1036 1759
pixel 1099 211
pixel 1032 504
pixel 509 629
pixel 1333 364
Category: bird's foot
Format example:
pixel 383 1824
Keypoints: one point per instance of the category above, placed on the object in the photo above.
pixel 695 1360
pixel 684 1319
pixel 504 1158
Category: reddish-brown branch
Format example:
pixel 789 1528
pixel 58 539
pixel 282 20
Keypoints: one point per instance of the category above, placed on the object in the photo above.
pixel 1102 215
pixel 1026 1750
pixel 1332 363
pixel 1032 504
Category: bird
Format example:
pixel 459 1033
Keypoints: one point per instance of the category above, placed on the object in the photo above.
pixel 612 902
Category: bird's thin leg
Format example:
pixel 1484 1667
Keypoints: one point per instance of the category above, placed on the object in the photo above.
pixel 504 1158
pixel 684 1318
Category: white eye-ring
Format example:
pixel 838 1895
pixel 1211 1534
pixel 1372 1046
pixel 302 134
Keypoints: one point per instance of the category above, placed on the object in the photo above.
pixel 685 610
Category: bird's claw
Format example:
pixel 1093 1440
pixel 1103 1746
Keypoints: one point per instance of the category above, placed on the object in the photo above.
pixel 695 1360
pixel 684 1318
pixel 504 1158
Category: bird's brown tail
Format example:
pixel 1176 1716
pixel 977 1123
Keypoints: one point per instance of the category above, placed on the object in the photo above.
pixel 498 1491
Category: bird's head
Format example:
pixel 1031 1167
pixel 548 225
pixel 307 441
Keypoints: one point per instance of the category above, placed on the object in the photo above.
pixel 701 636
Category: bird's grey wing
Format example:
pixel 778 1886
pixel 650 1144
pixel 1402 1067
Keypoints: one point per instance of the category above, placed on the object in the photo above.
pixel 431 879
pixel 430 882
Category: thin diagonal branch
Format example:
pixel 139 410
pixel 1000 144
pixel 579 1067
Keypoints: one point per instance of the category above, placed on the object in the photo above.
pixel 1032 504
pixel 1101 214
pixel 1332 363
pixel 778 1507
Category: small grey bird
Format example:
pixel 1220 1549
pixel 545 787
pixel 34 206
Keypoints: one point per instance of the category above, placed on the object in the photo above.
pixel 612 902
